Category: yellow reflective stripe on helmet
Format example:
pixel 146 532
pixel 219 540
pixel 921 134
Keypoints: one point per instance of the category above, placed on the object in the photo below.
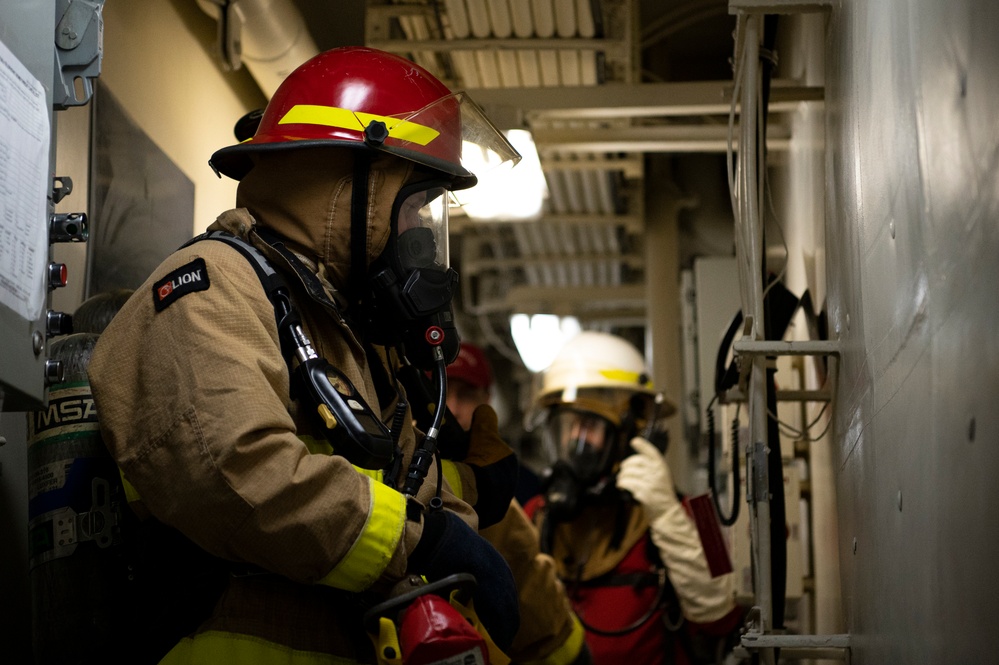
pixel 624 376
pixel 451 475
pixel 328 116
pixel 402 129
pixel 570 649
pixel 216 646
pixel 371 552
pixel 331 116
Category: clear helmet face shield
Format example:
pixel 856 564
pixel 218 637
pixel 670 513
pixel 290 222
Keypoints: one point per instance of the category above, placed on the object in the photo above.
pixel 451 135
pixel 421 228
pixel 580 440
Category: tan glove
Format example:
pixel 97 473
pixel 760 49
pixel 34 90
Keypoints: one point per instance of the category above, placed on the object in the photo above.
pixel 647 477
pixel 494 465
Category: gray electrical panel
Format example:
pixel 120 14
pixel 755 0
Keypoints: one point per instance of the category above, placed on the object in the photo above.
pixel 27 34
pixel 50 54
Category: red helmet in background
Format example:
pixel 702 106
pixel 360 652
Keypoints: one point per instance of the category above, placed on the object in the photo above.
pixel 365 98
pixel 471 366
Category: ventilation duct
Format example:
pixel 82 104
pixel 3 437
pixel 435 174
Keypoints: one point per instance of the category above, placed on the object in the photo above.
pixel 268 36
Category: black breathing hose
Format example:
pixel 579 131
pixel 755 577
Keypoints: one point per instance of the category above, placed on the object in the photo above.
pixel 423 457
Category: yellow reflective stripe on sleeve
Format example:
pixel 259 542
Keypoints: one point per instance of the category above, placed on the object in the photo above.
pixel 451 475
pixel 371 552
pixel 131 494
pixel 331 116
pixel 316 446
pixel 221 647
pixel 375 474
pixel 322 447
pixel 570 649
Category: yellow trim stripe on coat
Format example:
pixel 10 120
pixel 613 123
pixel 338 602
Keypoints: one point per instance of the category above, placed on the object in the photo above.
pixel 450 471
pixel 331 116
pixel 371 552
pixel 570 649
pixel 216 646
pixel 131 494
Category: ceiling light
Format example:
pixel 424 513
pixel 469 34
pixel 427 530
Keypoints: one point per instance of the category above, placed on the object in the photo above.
pixel 505 192
pixel 540 337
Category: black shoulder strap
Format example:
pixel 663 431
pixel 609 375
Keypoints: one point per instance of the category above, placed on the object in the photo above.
pixel 274 284
pixel 308 278
pixel 269 277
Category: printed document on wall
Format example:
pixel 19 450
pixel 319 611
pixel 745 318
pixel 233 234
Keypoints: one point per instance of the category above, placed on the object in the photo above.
pixel 24 185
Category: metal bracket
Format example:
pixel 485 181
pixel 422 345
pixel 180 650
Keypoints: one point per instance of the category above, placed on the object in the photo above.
pixel 62 186
pixel 748 347
pixel 792 647
pixel 778 6
pixel 79 49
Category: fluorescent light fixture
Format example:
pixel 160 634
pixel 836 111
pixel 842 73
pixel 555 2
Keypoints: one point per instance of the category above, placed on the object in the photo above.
pixel 505 192
pixel 540 337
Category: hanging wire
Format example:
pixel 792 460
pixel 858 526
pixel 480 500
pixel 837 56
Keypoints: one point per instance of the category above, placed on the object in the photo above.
pixel 803 434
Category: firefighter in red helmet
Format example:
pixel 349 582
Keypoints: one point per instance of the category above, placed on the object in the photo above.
pixel 209 396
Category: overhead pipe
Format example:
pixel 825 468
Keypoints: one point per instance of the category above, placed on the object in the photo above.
pixel 268 36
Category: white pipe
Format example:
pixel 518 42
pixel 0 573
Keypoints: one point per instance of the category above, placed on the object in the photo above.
pixel 274 39
pixel 587 67
pixel 520 14
pixel 568 65
pixel 584 19
pixel 458 18
pixel 606 195
pixel 509 69
pixel 591 186
pixel 530 71
pixel 573 189
pixel 548 60
pixel 544 18
pixel 565 18
pixel 488 69
pixel 499 17
pixel 557 199
pixel 478 17
pixel 468 70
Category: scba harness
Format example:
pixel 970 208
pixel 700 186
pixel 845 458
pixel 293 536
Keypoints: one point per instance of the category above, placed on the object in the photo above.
pixel 350 426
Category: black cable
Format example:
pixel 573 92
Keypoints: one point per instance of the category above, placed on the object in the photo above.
pixel 712 475
pixel 775 465
pixel 424 455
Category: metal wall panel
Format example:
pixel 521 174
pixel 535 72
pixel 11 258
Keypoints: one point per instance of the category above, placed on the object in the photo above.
pixel 913 240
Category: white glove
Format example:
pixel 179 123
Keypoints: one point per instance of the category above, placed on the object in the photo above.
pixel 647 477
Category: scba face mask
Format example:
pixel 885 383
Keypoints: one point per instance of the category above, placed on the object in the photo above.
pixel 412 283
pixel 581 447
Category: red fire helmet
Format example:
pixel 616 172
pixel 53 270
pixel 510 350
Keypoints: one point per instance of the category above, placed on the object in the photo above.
pixel 471 366
pixel 360 97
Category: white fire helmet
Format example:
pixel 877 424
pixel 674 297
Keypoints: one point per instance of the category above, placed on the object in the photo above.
pixel 602 375
pixel 599 370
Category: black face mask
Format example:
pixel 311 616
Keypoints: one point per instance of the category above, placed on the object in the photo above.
pixel 408 294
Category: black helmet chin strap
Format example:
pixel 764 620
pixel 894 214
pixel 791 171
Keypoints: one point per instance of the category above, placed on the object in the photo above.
pixel 359 225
